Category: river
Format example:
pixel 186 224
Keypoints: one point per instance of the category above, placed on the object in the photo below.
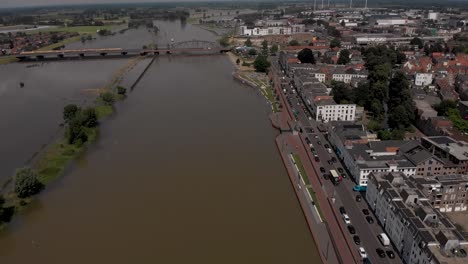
pixel 186 171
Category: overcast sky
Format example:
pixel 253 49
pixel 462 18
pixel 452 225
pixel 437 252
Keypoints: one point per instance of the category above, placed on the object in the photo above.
pixel 22 3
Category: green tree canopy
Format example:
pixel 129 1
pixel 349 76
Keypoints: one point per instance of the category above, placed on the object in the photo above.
pixel 344 57
pixel 26 183
pixel 335 43
pixel 342 92
pixel 443 107
pixel 248 42
pixel 306 56
pixel 252 52
pixel 293 43
pixel 417 41
pixel 261 64
pixel 265 48
pixel 274 48
pixel 69 112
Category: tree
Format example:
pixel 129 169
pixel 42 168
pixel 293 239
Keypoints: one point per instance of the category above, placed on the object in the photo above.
pixel 342 92
pixel 417 41
pixel 306 56
pixel 248 42
pixel 26 183
pixel 293 43
pixel 76 133
pixel 252 52
pixel 344 57
pixel 88 117
pixel 261 64
pixel 238 61
pixel 265 48
pixel 224 41
pixel 107 97
pixel 69 112
pixel 274 49
pixel 121 90
pixel 335 43
pixel 444 107
pixel 399 118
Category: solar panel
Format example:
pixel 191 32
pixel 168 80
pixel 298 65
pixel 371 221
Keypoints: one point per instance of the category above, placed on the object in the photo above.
pixel 446 222
pixel 400 204
pixel 417 222
pixel 393 193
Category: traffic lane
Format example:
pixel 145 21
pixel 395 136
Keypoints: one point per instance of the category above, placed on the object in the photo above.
pixel 354 209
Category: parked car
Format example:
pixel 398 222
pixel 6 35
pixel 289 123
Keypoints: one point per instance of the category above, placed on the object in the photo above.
pixel 325 176
pixel 358 198
pixel 357 240
pixel 362 252
pixel 369 219
pixel 317 159
pixel 351 230
pixel 330 162
pixel 326 146
pixel 343 175
pixel 322 169
pixel 342 210
pixel 307 140
pixel 340 170
pixel 333 159
pixel 380 252
pixel 390 254
pixel 318 142
pixel 365 211
pixel 346 219
pixel 315 136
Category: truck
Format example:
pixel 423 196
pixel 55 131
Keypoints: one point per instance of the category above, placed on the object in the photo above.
pixel 384 239
pixel 335 178
pixel 359 188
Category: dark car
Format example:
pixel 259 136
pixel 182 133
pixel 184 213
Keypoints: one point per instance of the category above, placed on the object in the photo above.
pixel 365 211
pixel 342 210
pixel 318 142
pixel 380 252
pixel 317 159
pixel 333 159
pixel 358 198
pixel 330 162
pixel 340 170
pixel 357 240
pixel 322 169
pixel 351 229
pixel 390 254
pixel 312 149
pixel 325 176
pixel 307 140
pixel 369 219
pixel 326 146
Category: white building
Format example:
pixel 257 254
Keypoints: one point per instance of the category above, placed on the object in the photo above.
pixel 271 30
pixel 347 75
pixel 423 79
pixel 326 110
pixel 376 156
pixel 432 15
pixel 391 21
pixel 419 232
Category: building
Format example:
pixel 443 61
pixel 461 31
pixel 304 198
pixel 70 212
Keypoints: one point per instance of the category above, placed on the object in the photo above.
pixel 448 150
pixel 447 193
pixel 326 109
pixel 376 156
pixel 274 29
pixel 422 79
pixel 420 233
pixel 432 15
pixel 346 75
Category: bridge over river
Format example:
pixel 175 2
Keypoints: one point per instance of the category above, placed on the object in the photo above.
pixel 184 47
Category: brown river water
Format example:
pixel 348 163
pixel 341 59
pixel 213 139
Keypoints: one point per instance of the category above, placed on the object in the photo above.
pixel 186 171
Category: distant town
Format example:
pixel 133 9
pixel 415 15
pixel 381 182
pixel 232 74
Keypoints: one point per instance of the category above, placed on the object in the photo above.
pixel 371 105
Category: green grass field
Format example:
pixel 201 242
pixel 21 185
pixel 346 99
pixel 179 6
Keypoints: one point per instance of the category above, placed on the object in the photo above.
pixel 61 43
pixel 81 30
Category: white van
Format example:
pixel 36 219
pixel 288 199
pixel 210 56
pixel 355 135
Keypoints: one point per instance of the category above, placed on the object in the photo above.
pixel 384 239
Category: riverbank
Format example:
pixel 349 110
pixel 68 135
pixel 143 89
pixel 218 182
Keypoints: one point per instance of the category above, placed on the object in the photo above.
pixel 50 162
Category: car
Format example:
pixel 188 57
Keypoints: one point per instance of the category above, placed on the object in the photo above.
pixel 326 146
pixel 351 230
pixel 333 159
pixel 340 170
pixel 343 175
pixel 312 149
pixel 462 252
pixel 330 162
pixel 307 140
pixel 318 142
pixel 322 169
pixel 365 211
pixel 346 219
pixel 380 252
pixel 313 131
pixel 325 176
pixel 390 254
pixel 362 252
pixel 317 159
pixel 342 210
pixel 369 219
pixel 316 136
pixel 357 240
pixel 358 198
